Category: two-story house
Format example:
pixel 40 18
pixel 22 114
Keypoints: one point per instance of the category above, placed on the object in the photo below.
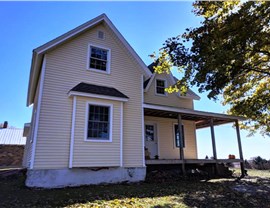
pixel 100 115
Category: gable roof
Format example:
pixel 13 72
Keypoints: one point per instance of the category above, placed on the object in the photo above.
pixel 39 52
pixel 12 136
pixel 172 79
pixel 98 90
pixel 151 66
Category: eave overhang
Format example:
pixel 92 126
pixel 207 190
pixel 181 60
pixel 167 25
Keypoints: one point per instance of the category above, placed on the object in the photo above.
pixel 201 118
pixel 40 51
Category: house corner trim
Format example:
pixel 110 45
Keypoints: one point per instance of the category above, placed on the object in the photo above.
pixel 72 132
pixel 121 134
pixel 38 112
pixel 143 156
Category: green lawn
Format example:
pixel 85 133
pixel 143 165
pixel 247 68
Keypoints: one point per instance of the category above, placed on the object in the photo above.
pixel 181 193
pixel 253 172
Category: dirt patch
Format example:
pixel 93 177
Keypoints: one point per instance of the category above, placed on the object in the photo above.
pixel 254 186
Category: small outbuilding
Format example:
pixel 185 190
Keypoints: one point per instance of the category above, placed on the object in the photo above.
pixel 12 143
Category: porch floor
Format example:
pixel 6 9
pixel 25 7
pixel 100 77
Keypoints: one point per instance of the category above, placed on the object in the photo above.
pixel 190 161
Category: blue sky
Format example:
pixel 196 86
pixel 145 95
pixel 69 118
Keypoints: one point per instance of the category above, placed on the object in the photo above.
pixel 145 25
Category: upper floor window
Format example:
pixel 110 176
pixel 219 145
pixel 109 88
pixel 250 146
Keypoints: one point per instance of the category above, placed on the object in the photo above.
pixel 99 59
pixel 160 87
pixel 99 123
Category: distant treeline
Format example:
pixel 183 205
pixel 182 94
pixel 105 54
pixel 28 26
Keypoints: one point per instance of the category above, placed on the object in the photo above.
pixel 258 163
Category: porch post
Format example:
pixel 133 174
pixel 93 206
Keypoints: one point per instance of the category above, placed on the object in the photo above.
pixel 214 143
pixel 181 144
pixel 240 149
pixel 213 138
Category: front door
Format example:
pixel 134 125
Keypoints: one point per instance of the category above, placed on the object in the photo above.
pixel 151 140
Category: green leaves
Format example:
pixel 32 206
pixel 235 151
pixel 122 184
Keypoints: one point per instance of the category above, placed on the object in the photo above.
pixel 229 55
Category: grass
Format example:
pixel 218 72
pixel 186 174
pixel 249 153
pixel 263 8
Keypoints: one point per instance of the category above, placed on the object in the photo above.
pixel 253 172
pixel 179 193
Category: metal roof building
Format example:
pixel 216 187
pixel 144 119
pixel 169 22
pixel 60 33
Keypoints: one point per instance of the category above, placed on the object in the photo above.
pixel 12 136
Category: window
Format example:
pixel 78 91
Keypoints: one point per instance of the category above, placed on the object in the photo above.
pixel 149 133
pixel 176 136
pixel 160 87
pixel 99 123
pixel 101 35
pixel 99 59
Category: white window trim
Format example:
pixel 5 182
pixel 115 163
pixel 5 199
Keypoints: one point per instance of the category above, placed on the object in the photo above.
pixel 165 83
pixel 91 95
pixel 173 126
pixel 108 65
pixel 87 118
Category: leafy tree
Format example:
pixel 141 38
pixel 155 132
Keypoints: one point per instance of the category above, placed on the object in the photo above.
pixel 260 163
pixel 229 55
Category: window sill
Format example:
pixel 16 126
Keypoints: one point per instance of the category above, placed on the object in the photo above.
pixel 97 140
pixel 163 95
pixel 98 71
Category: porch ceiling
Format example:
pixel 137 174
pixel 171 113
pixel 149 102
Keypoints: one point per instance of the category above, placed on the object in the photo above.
pixel 201 118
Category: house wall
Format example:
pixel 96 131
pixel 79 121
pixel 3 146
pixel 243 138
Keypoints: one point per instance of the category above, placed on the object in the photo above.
pixel 171 99
pixel 165 135
pixel 65 68
pixel 28 150
pixel 25 162
pixel 96 154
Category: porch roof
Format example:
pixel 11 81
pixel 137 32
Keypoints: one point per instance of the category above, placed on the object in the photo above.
pixel 201 118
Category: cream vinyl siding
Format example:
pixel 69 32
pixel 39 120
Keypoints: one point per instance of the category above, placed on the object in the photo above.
pixel 165 135
pixel 66 66
pixel 28 150
pixel 170 100
pixel 27 153
pixel 96 154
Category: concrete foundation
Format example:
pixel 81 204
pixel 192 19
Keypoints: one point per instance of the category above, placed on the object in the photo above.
pixel 82 176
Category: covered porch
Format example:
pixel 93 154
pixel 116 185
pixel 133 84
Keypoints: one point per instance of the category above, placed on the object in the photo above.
pixel 201 120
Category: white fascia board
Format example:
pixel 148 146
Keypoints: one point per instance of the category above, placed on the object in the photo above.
pixel 188 96
pixel 193 96
pixel 171 78
pixel 32 78
pixel 59 40
pixel 128 46
pixel 172 82
pixel 106 97
pixel 194 112
pixel 150 82
pixel 69 34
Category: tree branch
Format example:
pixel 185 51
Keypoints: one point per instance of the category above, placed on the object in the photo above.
pixel 257 70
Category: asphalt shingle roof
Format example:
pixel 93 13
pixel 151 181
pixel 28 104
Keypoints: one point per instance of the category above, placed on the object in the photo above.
pixel 151 66
pixel 99 90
